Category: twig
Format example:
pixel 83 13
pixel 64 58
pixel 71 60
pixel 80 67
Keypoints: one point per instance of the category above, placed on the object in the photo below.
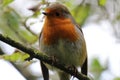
pixel 28 27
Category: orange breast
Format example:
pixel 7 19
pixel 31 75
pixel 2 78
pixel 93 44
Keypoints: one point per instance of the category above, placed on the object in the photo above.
pixel 55 29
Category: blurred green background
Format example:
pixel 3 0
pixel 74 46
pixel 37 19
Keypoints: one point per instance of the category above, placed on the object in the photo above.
pixel 22 21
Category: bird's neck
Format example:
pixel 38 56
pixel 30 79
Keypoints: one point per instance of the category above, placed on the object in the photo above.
pixel 59 29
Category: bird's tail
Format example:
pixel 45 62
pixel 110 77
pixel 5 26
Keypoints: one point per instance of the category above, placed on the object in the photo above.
pixel 84 69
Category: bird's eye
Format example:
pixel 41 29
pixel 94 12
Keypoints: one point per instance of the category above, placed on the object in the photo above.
pixel 57 14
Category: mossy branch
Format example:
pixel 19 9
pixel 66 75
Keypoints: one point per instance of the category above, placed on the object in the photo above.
pixel 36 54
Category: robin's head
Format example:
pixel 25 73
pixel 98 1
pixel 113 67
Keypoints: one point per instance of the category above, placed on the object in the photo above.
pixel 58 24
pixel 57 10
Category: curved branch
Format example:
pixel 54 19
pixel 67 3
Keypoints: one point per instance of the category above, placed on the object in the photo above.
pixel 36 54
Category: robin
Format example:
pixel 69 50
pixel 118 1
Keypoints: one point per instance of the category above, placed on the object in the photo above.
pixel 62 38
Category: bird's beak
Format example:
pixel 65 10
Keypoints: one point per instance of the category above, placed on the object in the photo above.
pixel 44 13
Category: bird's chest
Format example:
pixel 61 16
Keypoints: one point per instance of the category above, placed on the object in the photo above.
pixel 53 32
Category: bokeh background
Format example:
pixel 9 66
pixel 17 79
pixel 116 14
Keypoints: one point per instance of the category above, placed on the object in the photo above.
pixel 22 21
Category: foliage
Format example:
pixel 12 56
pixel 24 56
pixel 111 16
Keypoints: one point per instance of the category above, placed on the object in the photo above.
pixel 96 68
pixel 6 2
pixel 14 26
pixel 11 25
pixel 102 2
pixel 117 78
pixel 15 57
pixel 81 13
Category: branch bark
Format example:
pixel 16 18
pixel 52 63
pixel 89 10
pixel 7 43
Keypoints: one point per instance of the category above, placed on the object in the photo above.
pixel 36 54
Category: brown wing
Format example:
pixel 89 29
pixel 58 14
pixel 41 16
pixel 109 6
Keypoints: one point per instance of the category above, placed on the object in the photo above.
pixel 79 28
pixel 84 67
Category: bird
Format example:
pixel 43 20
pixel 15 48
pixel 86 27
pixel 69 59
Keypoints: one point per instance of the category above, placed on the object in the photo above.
pixel 62 38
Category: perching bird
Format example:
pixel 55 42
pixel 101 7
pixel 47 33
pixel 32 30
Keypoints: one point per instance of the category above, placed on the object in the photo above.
pixel 63 39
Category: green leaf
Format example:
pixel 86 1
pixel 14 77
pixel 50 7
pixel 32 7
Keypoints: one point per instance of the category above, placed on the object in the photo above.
pixel 117 78
pixel 6 2
pixel 16 57
pixel 29 38
pixel 36 14
pixel 96 66
pixel 10 25
pixel 102 2
pixel 81 12
pixel 118 17
pixel 4 28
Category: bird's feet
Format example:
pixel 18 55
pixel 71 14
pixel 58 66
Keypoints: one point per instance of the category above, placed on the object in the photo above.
pixel 73 69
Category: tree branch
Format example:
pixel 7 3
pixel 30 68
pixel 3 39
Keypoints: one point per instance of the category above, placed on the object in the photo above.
pixel 36 54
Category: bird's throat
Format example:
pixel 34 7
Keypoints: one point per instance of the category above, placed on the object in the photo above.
pixel 54 31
